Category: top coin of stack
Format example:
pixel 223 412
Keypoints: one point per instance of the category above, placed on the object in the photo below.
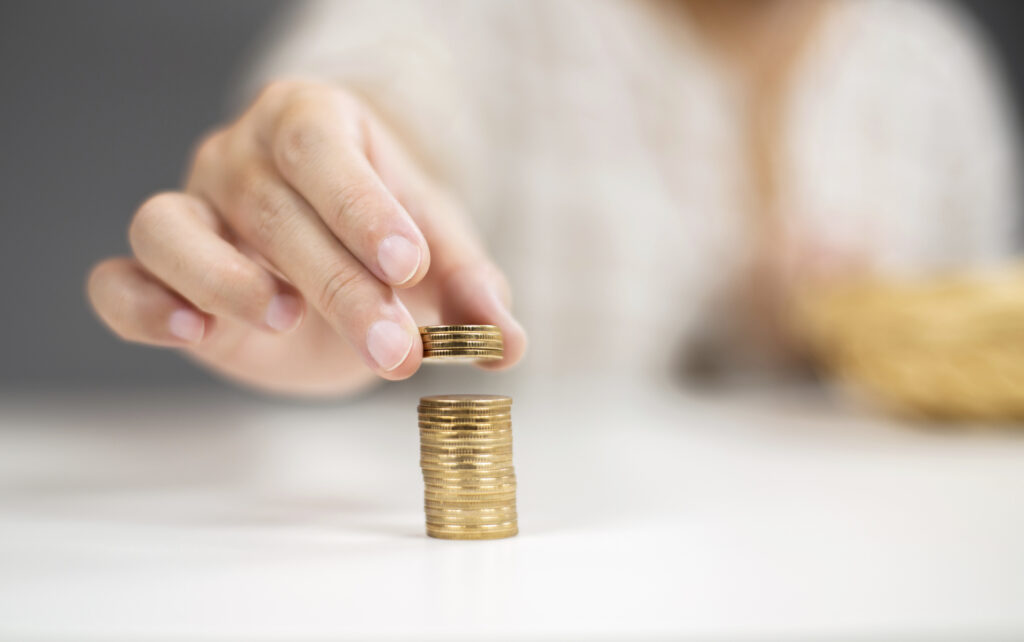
pixel 468 342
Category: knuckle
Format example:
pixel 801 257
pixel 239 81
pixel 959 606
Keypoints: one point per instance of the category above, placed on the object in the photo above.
pixel 152 216
pixel 276 91
pixel 299 133
pixel 222 287
pixel 311 115
pixel 208 151
pixel 339 286
pixel 126 317
pixel 98 276
pixel 358 206
pixel 267 207
pixel 343 100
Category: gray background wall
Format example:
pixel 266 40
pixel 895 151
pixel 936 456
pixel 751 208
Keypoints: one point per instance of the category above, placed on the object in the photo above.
pixel 99 104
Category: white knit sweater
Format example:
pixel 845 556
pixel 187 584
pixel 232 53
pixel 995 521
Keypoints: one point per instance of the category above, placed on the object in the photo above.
pixel 601 149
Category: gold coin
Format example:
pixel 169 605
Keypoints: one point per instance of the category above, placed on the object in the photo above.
pixel 439 493
pixel 426 441
pixel 475 445
pixel 468 474
pixel 455 488
pixel 441 416
pixel 444 533
pixel 469 516
pixel 483 508
pixel 459 411
pixel 455 344
pixel 464 484
pixel 495 511
pixel 433 414
pixel 485 527
pixel 439 486
pixel 463 450
pixel 461 480
pixel 464 346
pixel 439 504
pixel 476 462
pixel 454 465
pixel 484 469
pixel 431 329
pixel 488 476
pixel 464 411
pixel 468 458
pixel 435 445
pixel 466 354
pixel 475 466
pixel 469 437
pixel 456 527
pixel 439 489
pixel 468 487
pixel 487 446
pixel 449 350
pixel 462 336
pixel 455 497
pixel 465 336
pixel 438 518
pixel 466 424
pixel 453 483
pixel 465 401
pixel 467 428
pixel 495 533
pixel 430 504
pixel 468 434
pixel 468 420
pixel 463 352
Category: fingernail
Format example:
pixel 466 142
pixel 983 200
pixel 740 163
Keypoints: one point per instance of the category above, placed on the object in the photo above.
pixel 388 344
pixel 284 312
pixel 186 325
pixel 398 258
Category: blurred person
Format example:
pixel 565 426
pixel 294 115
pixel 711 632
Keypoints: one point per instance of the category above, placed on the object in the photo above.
pixel 648 174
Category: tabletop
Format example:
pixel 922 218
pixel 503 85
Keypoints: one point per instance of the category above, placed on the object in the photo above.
pixel 645 512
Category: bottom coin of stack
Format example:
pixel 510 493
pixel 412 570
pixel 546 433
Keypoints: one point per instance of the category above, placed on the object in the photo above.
pixel 466 456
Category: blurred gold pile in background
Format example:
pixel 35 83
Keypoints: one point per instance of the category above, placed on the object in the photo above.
pixel 946 347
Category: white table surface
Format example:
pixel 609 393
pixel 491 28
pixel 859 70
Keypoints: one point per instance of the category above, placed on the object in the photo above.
pixel 644 512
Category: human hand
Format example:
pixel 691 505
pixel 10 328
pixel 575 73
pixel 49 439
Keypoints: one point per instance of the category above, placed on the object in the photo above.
pixel 296 255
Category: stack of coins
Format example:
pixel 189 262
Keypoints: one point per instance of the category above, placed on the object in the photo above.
pixel 466 456
pixel 473 342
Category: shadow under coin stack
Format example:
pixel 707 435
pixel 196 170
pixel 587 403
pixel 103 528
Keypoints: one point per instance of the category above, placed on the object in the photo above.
pixel 466 453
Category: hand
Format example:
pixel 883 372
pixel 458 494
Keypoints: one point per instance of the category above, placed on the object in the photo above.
pixel 302 240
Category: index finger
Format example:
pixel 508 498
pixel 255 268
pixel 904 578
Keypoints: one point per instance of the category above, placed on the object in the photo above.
pixel 315 140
